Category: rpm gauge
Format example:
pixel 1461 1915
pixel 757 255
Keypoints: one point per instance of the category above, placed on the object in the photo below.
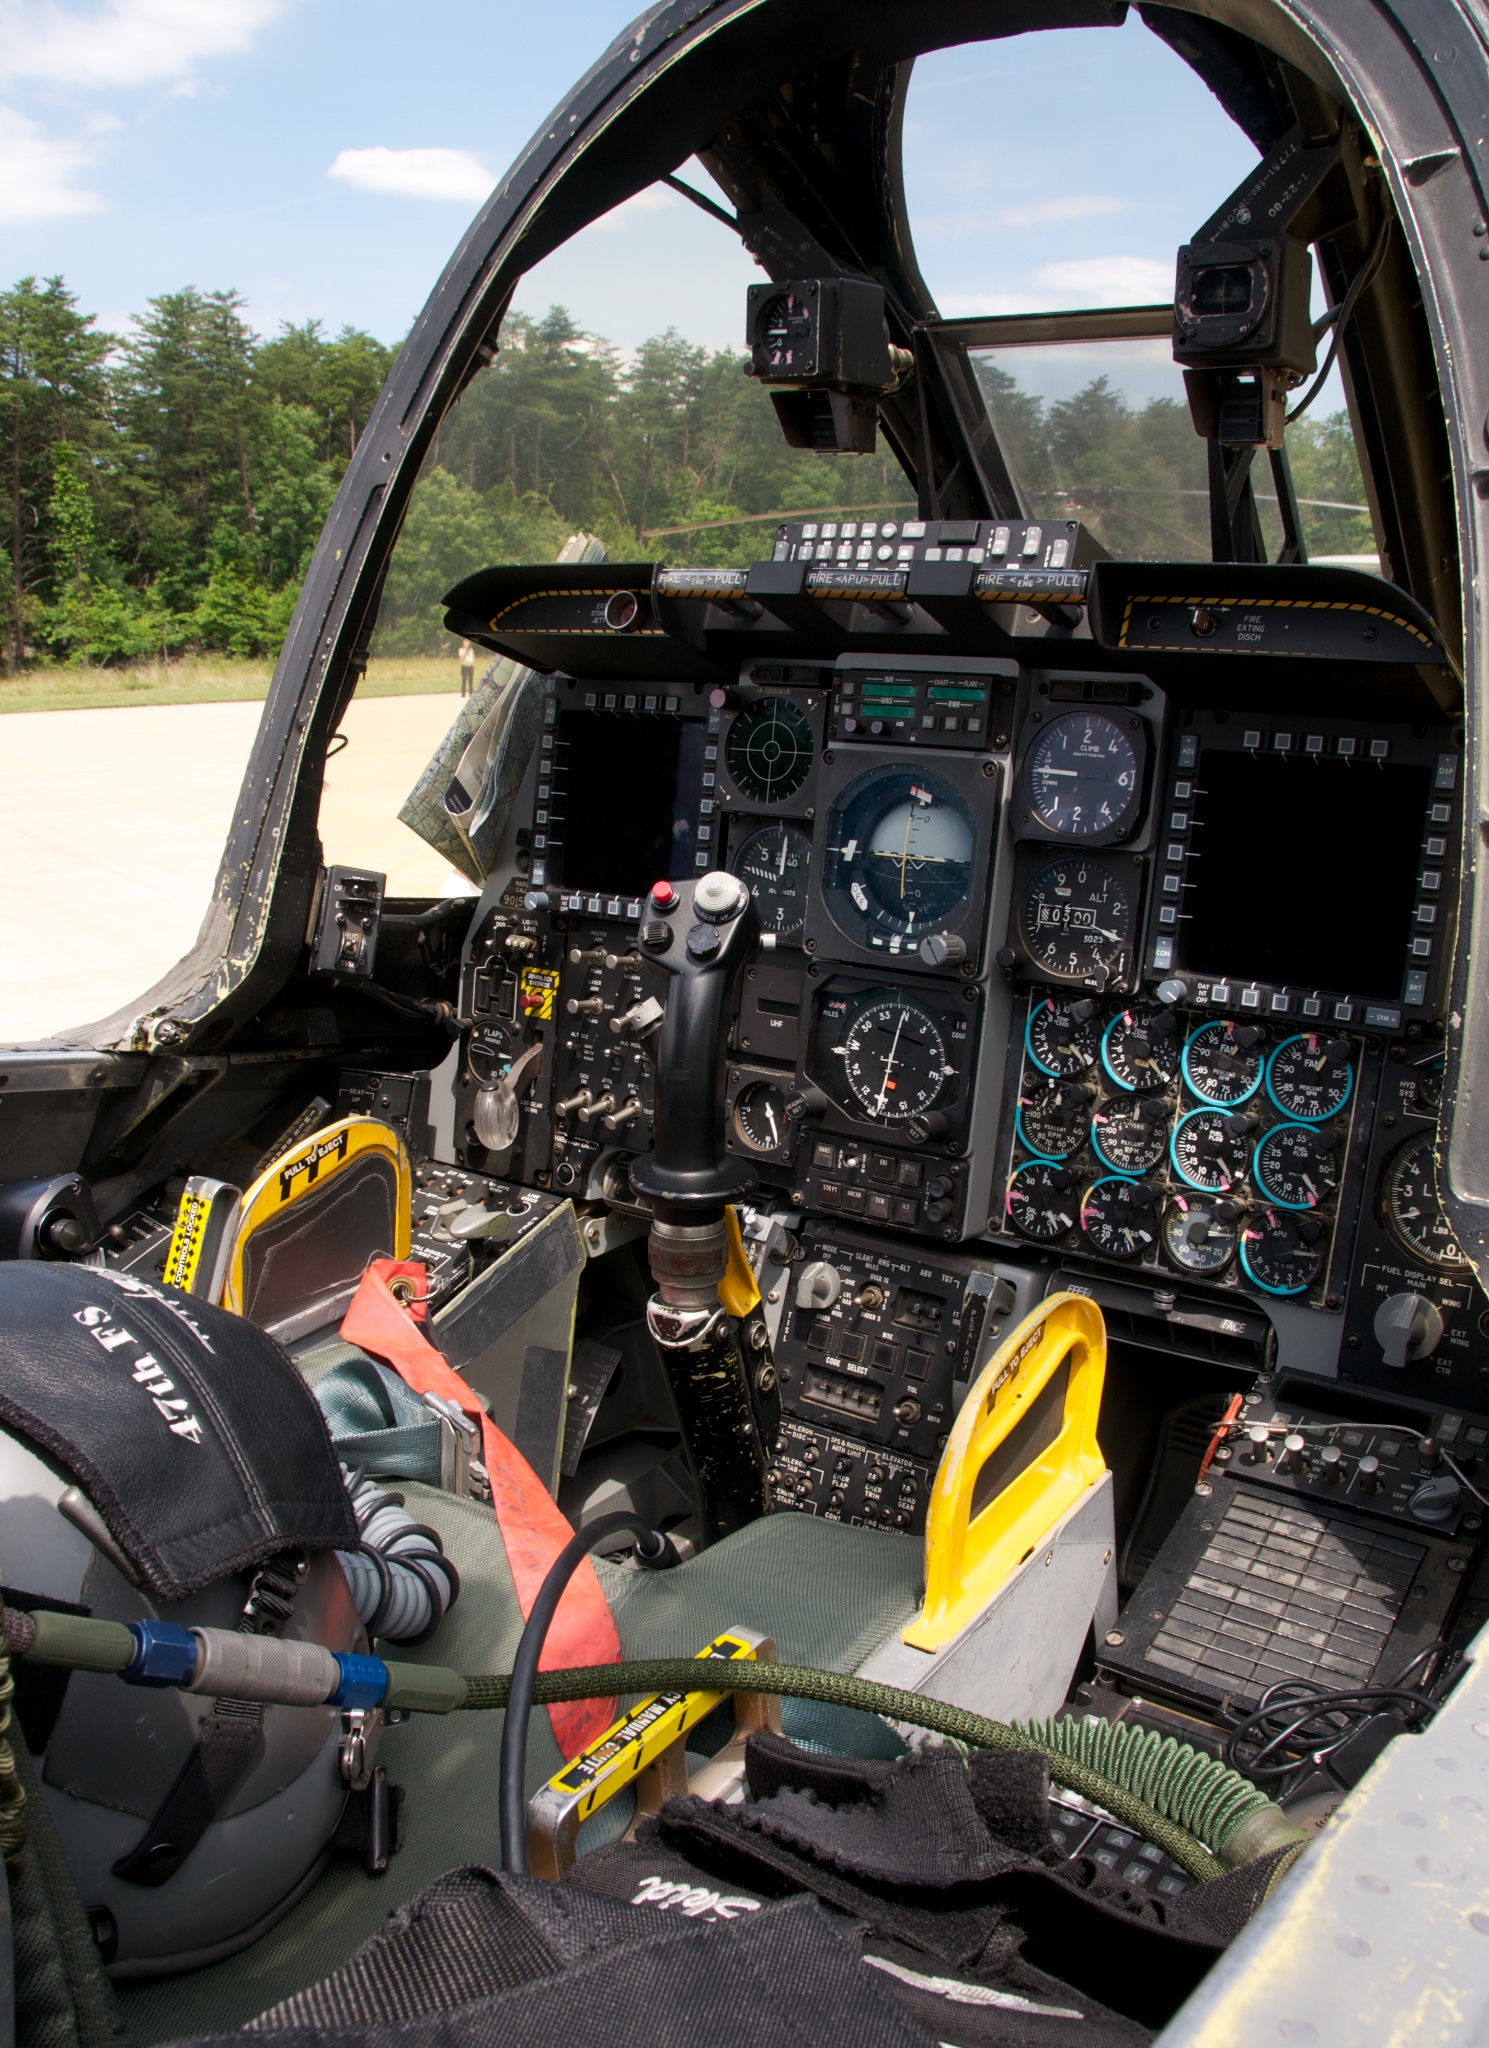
pixel 1082 777
pixel 1200 1235
pixel 1222 1064
pixel 1130 1136
pixel 1077 920
pixel 773 865
pixel 769 751
pixel 894 1058
pixel 1042 1202
pixel 899 861
pixel 1309 1077
pixel 1414 1207
pixel 1281 1252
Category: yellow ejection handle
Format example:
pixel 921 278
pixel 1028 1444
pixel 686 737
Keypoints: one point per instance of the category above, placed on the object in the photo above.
pixel 1015 1463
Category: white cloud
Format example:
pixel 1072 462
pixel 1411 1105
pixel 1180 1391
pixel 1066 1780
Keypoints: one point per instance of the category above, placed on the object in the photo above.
pixel 124 42
pixel 1048 212
pixel 35 173
pixel 653 199
pixel 415 173
pixel 1109 281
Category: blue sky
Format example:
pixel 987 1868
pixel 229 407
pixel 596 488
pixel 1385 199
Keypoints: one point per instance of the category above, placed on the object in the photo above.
pixel 324 160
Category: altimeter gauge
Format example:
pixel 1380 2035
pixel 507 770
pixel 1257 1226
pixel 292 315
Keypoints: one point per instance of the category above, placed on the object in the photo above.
pixel 1076 921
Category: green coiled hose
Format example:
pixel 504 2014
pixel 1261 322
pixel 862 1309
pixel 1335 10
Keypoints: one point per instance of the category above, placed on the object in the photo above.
pixel 1198 1792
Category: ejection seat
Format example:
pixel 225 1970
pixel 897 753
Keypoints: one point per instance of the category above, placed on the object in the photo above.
pixel 1020 1504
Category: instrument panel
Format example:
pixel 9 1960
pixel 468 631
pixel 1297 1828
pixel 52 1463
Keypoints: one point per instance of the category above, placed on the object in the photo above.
pixel 1062 955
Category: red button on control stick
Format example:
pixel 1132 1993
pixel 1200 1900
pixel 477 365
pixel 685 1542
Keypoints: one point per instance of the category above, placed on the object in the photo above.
pixel 663 895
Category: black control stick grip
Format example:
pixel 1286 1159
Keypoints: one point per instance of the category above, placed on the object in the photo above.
pixel 701 935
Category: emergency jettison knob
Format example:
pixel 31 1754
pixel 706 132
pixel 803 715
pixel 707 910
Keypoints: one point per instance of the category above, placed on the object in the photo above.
pixel 818 1285
pixel 1407 1327
pixel 1258 1436
pixel 1368 1472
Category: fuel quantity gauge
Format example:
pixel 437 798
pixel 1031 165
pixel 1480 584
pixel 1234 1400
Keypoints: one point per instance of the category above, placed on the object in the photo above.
pixel 1414 1206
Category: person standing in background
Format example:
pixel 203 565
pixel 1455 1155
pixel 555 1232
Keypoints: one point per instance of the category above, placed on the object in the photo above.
pixel 467 668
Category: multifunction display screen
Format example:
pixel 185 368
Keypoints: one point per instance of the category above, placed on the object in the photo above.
pixel 1304 870
pixel 624 810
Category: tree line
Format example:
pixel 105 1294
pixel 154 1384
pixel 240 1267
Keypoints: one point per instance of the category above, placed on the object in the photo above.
pixel 163 489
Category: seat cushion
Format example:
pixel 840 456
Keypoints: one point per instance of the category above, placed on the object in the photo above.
pixel 828 1594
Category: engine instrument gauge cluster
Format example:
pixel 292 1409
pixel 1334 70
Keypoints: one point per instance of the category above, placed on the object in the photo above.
pixel 1188 1145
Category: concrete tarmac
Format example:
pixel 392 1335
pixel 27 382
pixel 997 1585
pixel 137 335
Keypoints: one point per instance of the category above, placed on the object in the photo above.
pixel 112 826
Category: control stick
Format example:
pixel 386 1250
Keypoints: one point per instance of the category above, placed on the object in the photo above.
pixel 700 936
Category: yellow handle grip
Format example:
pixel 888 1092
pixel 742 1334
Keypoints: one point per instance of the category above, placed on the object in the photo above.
pixel 1021 1454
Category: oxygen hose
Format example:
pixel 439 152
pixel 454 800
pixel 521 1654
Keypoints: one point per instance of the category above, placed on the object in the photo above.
pixel 1165 1797
pixel 1163 1790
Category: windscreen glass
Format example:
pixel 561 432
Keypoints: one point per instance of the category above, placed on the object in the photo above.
pixel 1323 898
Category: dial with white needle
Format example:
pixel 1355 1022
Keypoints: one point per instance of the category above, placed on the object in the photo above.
pixel 889 1063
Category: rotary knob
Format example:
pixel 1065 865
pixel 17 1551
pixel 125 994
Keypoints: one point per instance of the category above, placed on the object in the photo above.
pixel 818 1285
pixel 1407 1327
